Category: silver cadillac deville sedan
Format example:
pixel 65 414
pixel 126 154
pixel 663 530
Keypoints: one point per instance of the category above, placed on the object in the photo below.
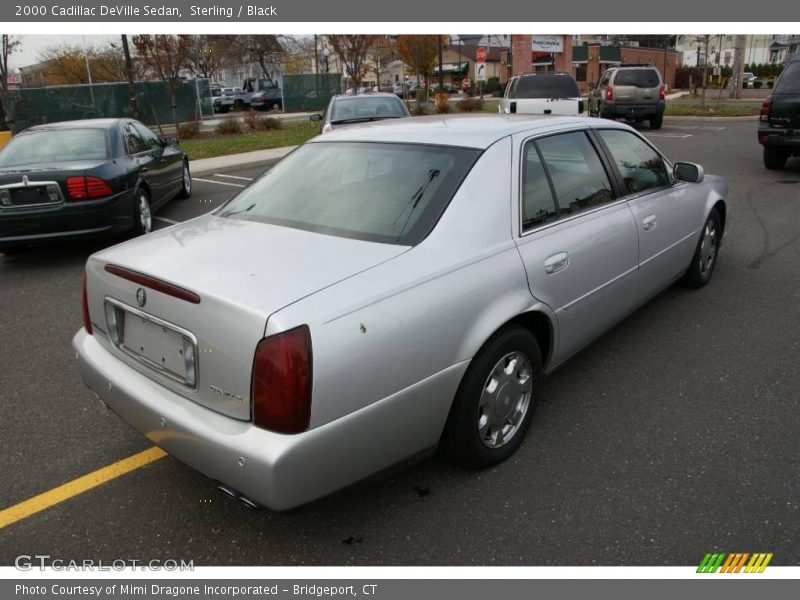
pixel 387 289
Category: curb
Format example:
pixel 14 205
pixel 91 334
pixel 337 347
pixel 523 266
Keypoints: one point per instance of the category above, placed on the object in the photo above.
pixel 259 158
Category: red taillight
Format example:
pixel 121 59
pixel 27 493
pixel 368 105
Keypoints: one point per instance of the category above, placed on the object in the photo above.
pixel 662 93
pixel 281 391
pixel 86 188
pixel 764 114
pixel 87 321
pixel 609 93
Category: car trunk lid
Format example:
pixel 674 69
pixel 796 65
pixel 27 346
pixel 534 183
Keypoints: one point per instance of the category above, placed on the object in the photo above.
pixel 239 272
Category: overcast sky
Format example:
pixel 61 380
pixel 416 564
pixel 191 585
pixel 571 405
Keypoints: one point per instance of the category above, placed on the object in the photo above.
pixel 33 45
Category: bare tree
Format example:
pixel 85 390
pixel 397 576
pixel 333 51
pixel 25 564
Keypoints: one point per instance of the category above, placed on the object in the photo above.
pixel 10 44
pixel 209 55
pixel 264 50
pixel 352 51
pixel 166 56
pixel 419 52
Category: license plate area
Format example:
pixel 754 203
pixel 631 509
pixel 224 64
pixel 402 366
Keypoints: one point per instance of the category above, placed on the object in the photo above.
pixel 161 346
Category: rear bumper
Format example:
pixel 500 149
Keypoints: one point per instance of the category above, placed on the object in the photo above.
pixel 276 470
pixel 787 138
pixel 69 220
pixel 613 110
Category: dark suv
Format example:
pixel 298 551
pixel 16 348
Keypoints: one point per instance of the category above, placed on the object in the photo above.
pixel 632 93
pixel 779 123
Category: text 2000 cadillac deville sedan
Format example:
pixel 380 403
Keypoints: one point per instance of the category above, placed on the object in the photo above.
pixel 386 289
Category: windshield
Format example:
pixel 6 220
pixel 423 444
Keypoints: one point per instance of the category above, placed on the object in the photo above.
pixel 547 86
pixel 365 107
pixel 391 193
pixel 54 145
pixel 789 83
pixel 642 78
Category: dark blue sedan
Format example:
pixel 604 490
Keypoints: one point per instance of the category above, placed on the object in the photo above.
pixel 90 178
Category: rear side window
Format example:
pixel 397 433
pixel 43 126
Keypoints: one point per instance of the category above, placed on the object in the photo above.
pixel 579 179
pixel 548 86
pixel 133 140
pixel 391 193
pixel 641 167
pixel 789 83
pixel 641 78
pixel 538 204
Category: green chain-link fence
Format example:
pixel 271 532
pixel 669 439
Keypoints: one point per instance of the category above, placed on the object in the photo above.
pixel 310 92
pixel 34 106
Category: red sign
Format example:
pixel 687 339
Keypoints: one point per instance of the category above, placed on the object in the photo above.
pixel 480 54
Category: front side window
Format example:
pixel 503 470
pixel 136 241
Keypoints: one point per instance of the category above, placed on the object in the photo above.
pixel 579 179
pixel 641 167
pixel 150 138
pixel 390 193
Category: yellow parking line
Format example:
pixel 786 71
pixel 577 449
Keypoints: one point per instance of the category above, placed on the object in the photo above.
pixel 78 486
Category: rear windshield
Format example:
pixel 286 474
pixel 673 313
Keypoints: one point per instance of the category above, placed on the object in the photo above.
pixel 789 83
pixel 55 145
pixel 547 86
pixel 365 107
pixel 391 193
pixel 641 78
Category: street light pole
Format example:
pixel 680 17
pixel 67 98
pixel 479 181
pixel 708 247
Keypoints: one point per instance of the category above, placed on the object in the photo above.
pixel 88 70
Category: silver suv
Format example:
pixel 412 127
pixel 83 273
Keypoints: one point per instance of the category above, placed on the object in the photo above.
pixel 631 93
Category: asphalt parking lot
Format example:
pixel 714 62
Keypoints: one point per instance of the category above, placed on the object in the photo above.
pixel 675 434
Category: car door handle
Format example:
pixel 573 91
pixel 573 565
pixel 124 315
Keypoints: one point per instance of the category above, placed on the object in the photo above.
pixel 649 222
pixel 557 262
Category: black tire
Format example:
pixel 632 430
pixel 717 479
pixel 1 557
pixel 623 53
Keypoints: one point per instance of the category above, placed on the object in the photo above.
pixel 699 272
pixel 186 182
pixel 463 440
pixel 775 158
pixel 142 213
pixel 656 121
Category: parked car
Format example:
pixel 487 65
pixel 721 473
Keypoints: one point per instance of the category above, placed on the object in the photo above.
pixel 80 179
pixel 344 110
pixel 399 89
pixel 226 99
pixel 385 289
pixel 268 99
pixel 632 93
pixel 779 122
pixel 554 93
pixel 748 79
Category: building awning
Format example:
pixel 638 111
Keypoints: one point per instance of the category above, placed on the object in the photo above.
pixel 462 67
pixel 543 60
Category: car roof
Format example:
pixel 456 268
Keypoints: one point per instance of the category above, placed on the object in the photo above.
pixel 106 123
pixel 468 131
pixel 366 95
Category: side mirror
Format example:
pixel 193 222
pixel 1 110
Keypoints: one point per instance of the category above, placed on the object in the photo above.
pixel 686 171
pixel 315 117
pixel 169 141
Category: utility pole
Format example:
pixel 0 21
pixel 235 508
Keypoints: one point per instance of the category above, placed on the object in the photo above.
pixel 441 69
pixel 705 72
pixel 129 73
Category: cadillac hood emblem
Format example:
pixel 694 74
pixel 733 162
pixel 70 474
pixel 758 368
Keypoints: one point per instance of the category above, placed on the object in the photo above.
pixel 141 297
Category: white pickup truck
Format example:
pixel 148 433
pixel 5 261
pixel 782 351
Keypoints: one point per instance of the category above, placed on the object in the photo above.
pixel 549 93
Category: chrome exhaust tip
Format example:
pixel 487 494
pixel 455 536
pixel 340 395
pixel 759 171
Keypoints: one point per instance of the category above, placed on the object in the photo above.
pixel 251 504
pixel 228 491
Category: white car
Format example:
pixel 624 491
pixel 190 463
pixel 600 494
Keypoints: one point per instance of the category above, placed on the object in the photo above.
pixel 553 93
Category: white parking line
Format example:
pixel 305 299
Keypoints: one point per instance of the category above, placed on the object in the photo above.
pixel 233 177
pixel 166 220
pixel 669 135
pixel 703 127
pixel 239 185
